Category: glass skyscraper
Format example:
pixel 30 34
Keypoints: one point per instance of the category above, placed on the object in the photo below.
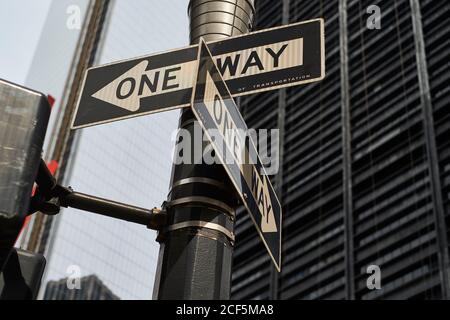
pixel 67 45
pixel 54 55
pixel 365 154
pixel 91 288
pixel 128 161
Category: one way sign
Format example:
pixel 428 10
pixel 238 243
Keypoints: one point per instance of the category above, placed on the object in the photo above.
pixel 222 122
pixel 259 61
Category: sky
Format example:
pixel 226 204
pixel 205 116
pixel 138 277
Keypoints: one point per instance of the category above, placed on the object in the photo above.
pixel 23 21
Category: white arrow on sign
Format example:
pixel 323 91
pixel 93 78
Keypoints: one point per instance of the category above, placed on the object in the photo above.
pixel 127 90
pixel 138 82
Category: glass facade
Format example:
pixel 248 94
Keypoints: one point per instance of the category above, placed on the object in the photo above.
pixel 54 55
pixel 91 288
pixel 365 162
pixel 127 161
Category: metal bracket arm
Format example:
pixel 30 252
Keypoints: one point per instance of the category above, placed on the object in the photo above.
pixel 50 197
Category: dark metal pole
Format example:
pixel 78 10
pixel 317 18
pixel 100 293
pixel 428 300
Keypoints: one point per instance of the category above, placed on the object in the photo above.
pixel 196 248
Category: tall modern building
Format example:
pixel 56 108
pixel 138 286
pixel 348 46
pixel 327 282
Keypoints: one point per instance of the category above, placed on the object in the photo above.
pixel 76 27
pixel 90 288
pixel 127 161
pixel 365 176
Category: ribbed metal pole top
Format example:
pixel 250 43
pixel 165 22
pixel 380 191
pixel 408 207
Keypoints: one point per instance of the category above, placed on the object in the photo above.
pixel 216 19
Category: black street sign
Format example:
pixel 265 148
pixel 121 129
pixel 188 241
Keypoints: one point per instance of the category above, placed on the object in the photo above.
pixel 255 62
pixel 222 122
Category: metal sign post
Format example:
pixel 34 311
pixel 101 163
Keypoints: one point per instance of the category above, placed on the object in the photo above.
pixel 196 249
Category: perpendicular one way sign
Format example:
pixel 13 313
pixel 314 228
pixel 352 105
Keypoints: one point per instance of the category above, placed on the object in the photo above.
pixel 255 62
pixel 227 131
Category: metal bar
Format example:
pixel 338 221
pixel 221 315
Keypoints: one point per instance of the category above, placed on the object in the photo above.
pixel 347 154
pixel 44 179
pixel 113 209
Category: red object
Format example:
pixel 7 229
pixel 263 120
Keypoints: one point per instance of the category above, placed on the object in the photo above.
pixel 52 167
pixel 51 100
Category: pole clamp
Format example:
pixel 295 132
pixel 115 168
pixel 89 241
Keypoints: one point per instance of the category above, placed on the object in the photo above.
pixel 204 202
pixel 203 180
pixel 202 224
